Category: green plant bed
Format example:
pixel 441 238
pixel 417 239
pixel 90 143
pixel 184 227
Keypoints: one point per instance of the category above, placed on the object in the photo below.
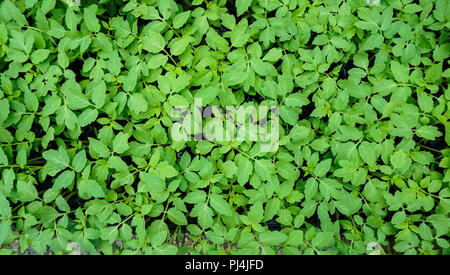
pixel 358 89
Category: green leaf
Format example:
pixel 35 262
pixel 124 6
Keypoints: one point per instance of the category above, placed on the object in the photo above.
pixel 195 197
pixel 220 205
pixel 5 208
pixel 56 29
pixel 372 42
pixel 47 214
pixel 398 218
pixel 398 159
pixel 357 91
pixel 428 132
pixel 272 208
pixel 180 45
pixel 159 238
pixel 88 188
pixel 166 8
pixel 299 132
pixel 239 35
pixel 203 147
pixel 57 160
pixel 180 19
pixel 87 117
pixel 263 168
pixel 272 237
pixel 296 100
pixel 178 101
pixel 412 8
pixel 422 157
pixel 323 239
pixel 204 214
pixel 109 233
pixel 120 143
pixel 62 204
pixel 153 42
pixel 369 152
pixel 273 55
pixel 176 216
pixel 64 180
pixel 157 61
pixel 99 148
pixel 165 170
pixel 242 6
pixel 232 78
pixel 26 191
pixel 39 55
pixel 425 101
pixel 287 170
pixel 400 72
pixel 79 161
pixel 206 94
pixel 150 183
pixel 90 18
pixel 137 103
pixel 230 169
pixel 99 94
pixel 245 169
pixel 47 5
pixel 3 158
pixel 76 99
pixel 262 68
pixel 5 230
pixel 348 204
pixel 311 188
pixel 322 168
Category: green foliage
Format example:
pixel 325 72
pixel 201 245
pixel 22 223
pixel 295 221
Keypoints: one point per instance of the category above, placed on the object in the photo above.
pixel 86 154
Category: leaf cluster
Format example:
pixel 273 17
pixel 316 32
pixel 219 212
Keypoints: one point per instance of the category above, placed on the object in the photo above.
pixel 86 156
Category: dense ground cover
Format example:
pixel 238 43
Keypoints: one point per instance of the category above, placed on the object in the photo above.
pixel 86 155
